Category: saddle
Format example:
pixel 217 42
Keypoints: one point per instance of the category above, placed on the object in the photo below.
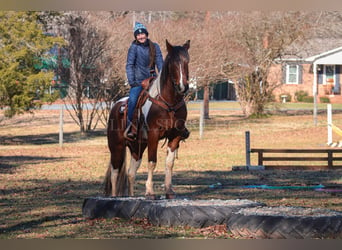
pixel 146 84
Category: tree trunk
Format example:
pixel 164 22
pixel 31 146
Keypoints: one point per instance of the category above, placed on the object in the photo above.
pixel 206 94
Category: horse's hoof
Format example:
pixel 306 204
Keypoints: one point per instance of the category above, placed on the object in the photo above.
pixel 170 196
pixel 150 197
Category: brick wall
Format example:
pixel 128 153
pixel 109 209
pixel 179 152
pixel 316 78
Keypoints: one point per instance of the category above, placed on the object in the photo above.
pixel 276 77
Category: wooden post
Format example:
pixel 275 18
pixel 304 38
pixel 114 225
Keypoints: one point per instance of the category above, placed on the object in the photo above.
pixel 248 150
pixel 61 126
pixel 330 159
pixel 260 158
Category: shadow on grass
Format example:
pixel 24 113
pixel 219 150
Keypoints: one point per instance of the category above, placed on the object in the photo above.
pixel 55 206
pixel 43 205
pixel 52 138
pixel 194 184
pixel 8 164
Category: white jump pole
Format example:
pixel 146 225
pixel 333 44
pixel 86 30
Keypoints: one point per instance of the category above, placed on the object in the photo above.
pixel 329 121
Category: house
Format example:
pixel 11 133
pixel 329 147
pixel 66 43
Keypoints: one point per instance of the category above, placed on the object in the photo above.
pixel 315 71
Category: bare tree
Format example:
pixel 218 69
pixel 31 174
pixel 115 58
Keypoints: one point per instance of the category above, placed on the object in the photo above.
pixel 207 54
pixel 256 42
pixel 90 68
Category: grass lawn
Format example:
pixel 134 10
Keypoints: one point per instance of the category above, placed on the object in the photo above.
pixel 42 186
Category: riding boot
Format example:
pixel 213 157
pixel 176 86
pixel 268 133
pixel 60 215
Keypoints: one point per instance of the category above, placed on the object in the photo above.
pixel 131 131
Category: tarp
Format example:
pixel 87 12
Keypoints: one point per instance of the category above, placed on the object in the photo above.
pixel 284 187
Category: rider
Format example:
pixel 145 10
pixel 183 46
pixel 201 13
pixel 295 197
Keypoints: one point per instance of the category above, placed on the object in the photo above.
pixel 142 58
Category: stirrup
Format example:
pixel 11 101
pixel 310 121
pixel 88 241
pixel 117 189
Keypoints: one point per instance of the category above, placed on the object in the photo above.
pixel 127 132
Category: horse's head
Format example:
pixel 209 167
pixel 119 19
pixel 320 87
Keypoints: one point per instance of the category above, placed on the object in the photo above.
pixel 177 63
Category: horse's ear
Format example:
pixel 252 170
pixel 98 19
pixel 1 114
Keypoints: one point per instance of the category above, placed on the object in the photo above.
pixel 187 45
pixel 169 47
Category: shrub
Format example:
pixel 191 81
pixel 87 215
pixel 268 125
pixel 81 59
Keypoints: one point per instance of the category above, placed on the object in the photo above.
pixel 308 99
pixel 324 99
pixel 300 95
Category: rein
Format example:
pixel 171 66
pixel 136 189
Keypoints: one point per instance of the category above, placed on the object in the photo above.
pixel 165 105
pixel 170 109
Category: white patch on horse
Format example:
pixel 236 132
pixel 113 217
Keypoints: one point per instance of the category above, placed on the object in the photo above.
pixel 113 177
pixel 181 78
pixel 169 161
pixel 146 108
pixel 155 88
pixel 153 92
pixel 123 99
pixel 170 158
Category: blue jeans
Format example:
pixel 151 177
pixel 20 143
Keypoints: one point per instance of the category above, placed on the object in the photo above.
pixel 132 102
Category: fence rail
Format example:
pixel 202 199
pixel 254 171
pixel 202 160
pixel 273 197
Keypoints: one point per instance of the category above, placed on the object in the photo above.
pixel 328 160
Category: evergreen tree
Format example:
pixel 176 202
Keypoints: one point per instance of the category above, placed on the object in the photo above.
pixel 23 44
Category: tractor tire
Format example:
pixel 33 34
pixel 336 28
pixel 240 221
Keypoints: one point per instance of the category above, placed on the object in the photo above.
pixel 196 213
pixel 177 212
pixel 285 223
pixel 123 207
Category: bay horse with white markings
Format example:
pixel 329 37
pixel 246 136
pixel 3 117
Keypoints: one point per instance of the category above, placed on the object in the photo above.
pixel 163 114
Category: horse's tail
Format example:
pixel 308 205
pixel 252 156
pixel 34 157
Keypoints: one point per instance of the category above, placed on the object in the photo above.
pixel 116 143
pixel 121 183
pixel 108 181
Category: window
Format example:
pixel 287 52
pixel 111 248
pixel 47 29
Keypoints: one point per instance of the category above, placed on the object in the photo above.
pixel 329 74
pixel 292 74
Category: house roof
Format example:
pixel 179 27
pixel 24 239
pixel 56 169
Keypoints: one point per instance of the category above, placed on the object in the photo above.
pixel 318 50
pixel 333 56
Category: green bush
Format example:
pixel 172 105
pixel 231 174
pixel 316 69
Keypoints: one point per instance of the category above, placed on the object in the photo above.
pixel 324 99
pixel 308 99
pixel 300 95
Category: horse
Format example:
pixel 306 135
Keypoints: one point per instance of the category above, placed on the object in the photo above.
pixel 162 116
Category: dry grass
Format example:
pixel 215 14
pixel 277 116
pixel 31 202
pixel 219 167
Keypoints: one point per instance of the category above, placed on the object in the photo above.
pixel 42 186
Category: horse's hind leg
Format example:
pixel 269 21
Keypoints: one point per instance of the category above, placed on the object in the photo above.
pixel 137 149
pixel 132 171
pixel 152 162
pixel 111 180
pixel 114 177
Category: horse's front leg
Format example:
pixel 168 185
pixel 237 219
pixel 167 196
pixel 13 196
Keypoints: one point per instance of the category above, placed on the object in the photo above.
pixel 169 162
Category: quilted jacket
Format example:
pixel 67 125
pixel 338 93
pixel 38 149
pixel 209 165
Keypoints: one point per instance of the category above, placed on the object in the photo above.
pixel 137 65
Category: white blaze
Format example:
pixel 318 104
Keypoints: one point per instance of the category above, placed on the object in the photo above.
pixel 181 78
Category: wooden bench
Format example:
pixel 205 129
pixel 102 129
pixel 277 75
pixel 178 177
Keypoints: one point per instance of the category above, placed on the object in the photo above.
pixel 325 156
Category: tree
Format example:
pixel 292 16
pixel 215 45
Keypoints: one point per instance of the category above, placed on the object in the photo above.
pixel 207 54
pixel 22 43
pixel 257 41
pixel 91 65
